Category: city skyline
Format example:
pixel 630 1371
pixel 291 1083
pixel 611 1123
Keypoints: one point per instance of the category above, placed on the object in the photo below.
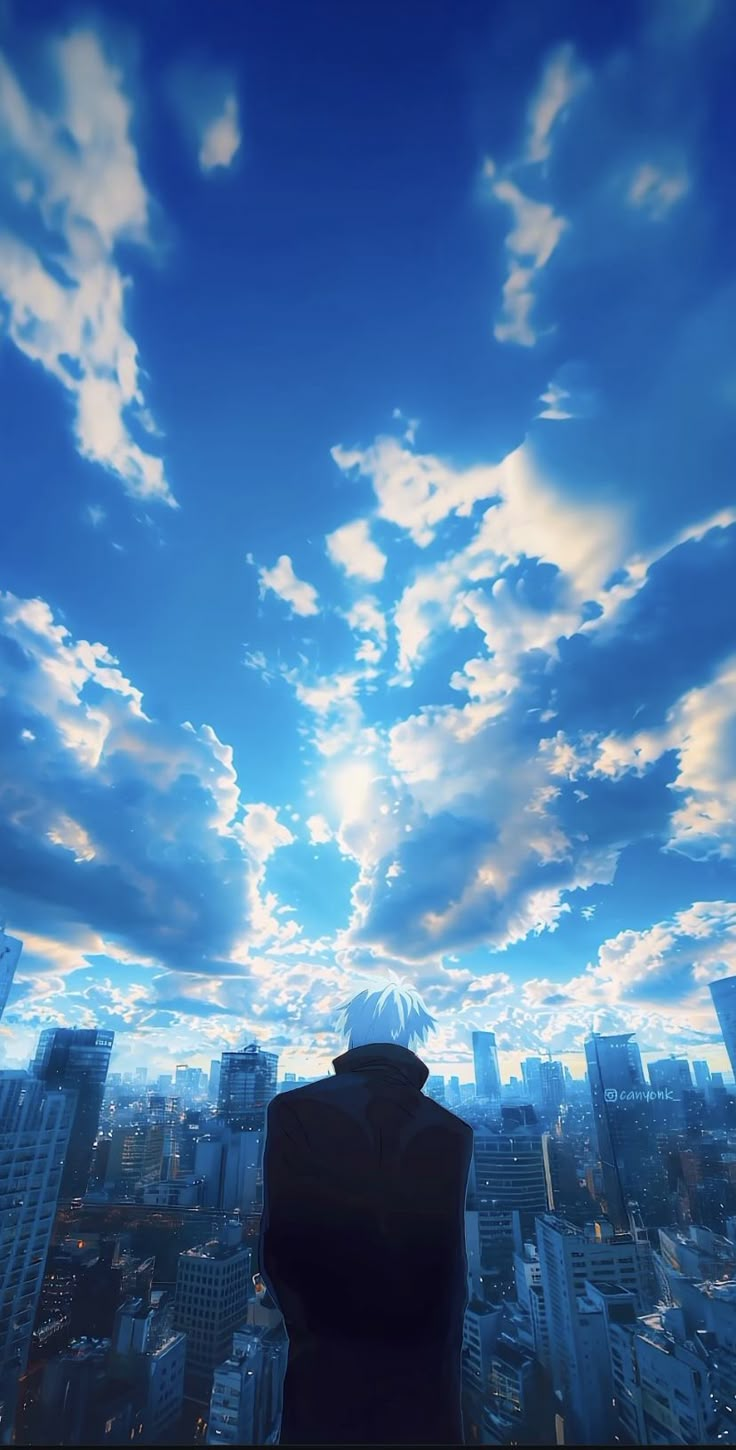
pixel 366 594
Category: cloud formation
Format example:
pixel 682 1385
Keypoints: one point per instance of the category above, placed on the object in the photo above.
pixel 655 191
pixel 205 102
pixel 563 78
pixel 282 580
pixel 353 549
pixel 74 194
pixel 114 823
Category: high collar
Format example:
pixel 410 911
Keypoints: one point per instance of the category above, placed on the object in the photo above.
pixel 385 1057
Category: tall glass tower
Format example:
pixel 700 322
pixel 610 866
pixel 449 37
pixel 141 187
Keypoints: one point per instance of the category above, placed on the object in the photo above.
pixel 10 950
pixel 626 1124
pixel 76 1058
pixel 723 993
pixel 247 1084
pixel 485 1061
pixel 34 1131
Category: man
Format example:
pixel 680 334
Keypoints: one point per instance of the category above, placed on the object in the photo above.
pixel 363 1239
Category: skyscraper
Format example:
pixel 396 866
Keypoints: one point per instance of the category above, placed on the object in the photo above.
pixel 247 1085
pixel 485 1060
pixel 34 1131
pixel 508 1188
pixel 531 1069
pixel 671 1072
pixel 723 993
pixel 211 1301
pixel 553 1087
pixel 626 1126
pixel 135 1157
pixel 76 1058
pixel 701 1073
pixel 10 950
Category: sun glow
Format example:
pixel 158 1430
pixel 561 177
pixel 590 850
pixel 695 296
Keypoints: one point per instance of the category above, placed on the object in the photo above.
pixel 350 786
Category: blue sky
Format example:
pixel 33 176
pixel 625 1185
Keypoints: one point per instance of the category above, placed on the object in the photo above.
pixel 367 400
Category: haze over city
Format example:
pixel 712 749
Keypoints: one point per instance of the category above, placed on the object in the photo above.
pixel 367 406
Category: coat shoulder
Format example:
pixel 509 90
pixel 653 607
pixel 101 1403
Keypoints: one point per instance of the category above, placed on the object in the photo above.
pixel 449 1120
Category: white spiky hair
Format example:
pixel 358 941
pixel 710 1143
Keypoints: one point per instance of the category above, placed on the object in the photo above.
pixel 389 1012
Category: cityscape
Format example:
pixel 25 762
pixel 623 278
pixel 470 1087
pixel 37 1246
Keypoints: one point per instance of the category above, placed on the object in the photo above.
pixel 367 625
pixel 600 1231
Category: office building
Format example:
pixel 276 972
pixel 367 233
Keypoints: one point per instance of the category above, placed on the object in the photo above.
pixel 507 1190
pixel 232 1414
pixel 485 1061
pixel 570 1259
pixel 705 1169
pixel 626 1121
pixel 184 1191
pixel 531 1071
pixel 701 1073
pixel 697 1253
pixel 135 1158
pixel 34 1132
pixel 148 1353
pixel 553 1091
pixel 211 1301
pixel 247 1085
pixel 480 1330
pixel 190 1083
pixel 665 1386
pixel 671 1072
pixel 530 1297
pixel 87 1279
pixel 81 1403
pixel 76 1058
pixel 229 1161
pixel 10 950
pixel 246 1392
pixel 723 993
pixel 435 1088
pixel 213 1085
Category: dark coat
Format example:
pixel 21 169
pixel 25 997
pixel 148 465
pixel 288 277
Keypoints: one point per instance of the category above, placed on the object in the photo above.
pixel 363 1249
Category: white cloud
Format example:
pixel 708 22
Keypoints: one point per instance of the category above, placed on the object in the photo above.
pixel 655 191
pixel 353 549
pixel 528 519
pixel 77 173
pixel 319 829
pixel 189 872
pixel 530 244
pixel 410 428
pixel 221 138
pixel 282 580
pixel 701 728
pixel 569 394
pixel 367 619
pixel 537 228
pixel 263 832
pixel 415 491
pixel 205 102
pixel 556 403
pixel 563 79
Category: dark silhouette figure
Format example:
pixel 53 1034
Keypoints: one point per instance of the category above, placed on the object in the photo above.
pixel 363 1249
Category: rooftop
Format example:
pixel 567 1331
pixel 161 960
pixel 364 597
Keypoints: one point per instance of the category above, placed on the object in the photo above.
pixel 213 1250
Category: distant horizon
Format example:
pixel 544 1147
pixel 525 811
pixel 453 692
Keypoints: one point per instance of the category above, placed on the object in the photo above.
pixel 717 1061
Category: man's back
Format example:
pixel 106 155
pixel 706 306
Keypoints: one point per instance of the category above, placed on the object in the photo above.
pixel 363 1248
